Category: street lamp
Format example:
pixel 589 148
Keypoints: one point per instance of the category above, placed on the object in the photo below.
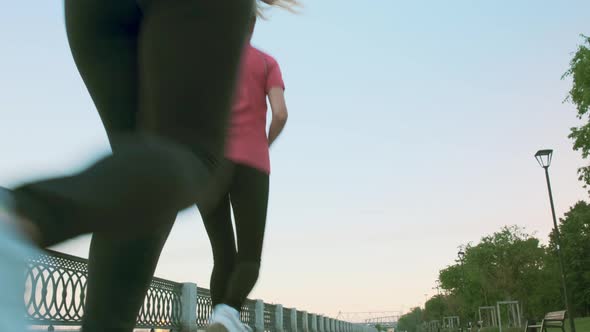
pixel 544 159
pixel 461 256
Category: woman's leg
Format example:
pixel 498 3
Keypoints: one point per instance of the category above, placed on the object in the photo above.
pixel 120 271
pixel 188 54
pixel 219 228
pixel 249 199
pixel 120 268
pixel 149 176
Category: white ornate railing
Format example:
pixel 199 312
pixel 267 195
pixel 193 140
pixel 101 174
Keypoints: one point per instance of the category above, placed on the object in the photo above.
pixel 55 290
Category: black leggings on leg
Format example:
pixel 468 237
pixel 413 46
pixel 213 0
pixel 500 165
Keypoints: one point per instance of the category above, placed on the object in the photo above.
pixel 161 78
pixel 120 272
pixel 235 272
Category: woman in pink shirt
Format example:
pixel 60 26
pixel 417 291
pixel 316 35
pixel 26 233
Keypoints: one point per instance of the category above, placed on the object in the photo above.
pixel 235 271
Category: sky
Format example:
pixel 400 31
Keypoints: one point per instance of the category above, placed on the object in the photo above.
pixel 412 130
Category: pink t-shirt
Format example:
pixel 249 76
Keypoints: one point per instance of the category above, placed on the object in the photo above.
pixel 247 141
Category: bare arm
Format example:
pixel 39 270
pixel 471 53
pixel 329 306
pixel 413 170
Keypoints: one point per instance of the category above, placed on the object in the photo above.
pixel 278 107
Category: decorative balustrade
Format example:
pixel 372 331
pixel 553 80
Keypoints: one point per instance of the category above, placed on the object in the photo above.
pixel 55 292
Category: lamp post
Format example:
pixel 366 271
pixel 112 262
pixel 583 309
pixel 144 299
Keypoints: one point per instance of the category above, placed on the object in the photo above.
pixel 437 287
pixel 461 256
pixel 544 159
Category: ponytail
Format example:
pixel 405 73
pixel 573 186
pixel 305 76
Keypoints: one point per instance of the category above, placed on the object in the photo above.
pixel 262 5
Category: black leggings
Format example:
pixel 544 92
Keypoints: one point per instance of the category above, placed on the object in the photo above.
pixel 161 77
pixel 235 271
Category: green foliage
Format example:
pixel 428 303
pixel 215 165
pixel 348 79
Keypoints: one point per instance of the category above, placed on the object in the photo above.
pixel 435 308
pixel 411 321
pixel 507 265
pixel 579 95
pixel 582 325
pixel 513 265
pixel 575 245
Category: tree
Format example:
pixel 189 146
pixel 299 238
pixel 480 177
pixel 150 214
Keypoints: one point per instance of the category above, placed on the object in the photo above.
pixel 411 321
pixel 507 265
pixel 380 327
pixel 435 308
pixel 574 229
pixel 579 95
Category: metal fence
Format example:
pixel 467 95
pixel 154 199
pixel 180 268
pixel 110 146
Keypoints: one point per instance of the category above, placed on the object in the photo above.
pixel 287 320
pixel 55 293
pixel 204 307
pixel 269 317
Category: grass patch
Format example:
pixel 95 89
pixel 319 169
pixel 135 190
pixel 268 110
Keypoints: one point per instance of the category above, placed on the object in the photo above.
pixel 582 325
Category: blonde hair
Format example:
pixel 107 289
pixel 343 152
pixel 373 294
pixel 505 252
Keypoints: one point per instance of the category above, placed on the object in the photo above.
pixel 263 5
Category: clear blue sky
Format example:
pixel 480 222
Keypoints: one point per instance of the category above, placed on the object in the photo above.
pixel 412 131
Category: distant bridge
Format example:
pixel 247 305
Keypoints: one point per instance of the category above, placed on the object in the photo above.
pixel 386 319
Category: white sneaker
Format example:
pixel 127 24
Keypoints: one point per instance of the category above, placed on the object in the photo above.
pixel 227 317
pixel 14 250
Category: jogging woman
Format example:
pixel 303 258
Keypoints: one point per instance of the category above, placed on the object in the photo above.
pixel 162 75
pixel 246 175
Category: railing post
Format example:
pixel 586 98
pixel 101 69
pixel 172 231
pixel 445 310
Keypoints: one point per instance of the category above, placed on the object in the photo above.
pixel 293 320
pixel 304 321
pixel 188 313
pixel 278 318
pixel 259 316
pixel 320 319
pixel 314 323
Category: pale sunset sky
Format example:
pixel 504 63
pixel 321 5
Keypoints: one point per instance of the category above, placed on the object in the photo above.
pixel 412 130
